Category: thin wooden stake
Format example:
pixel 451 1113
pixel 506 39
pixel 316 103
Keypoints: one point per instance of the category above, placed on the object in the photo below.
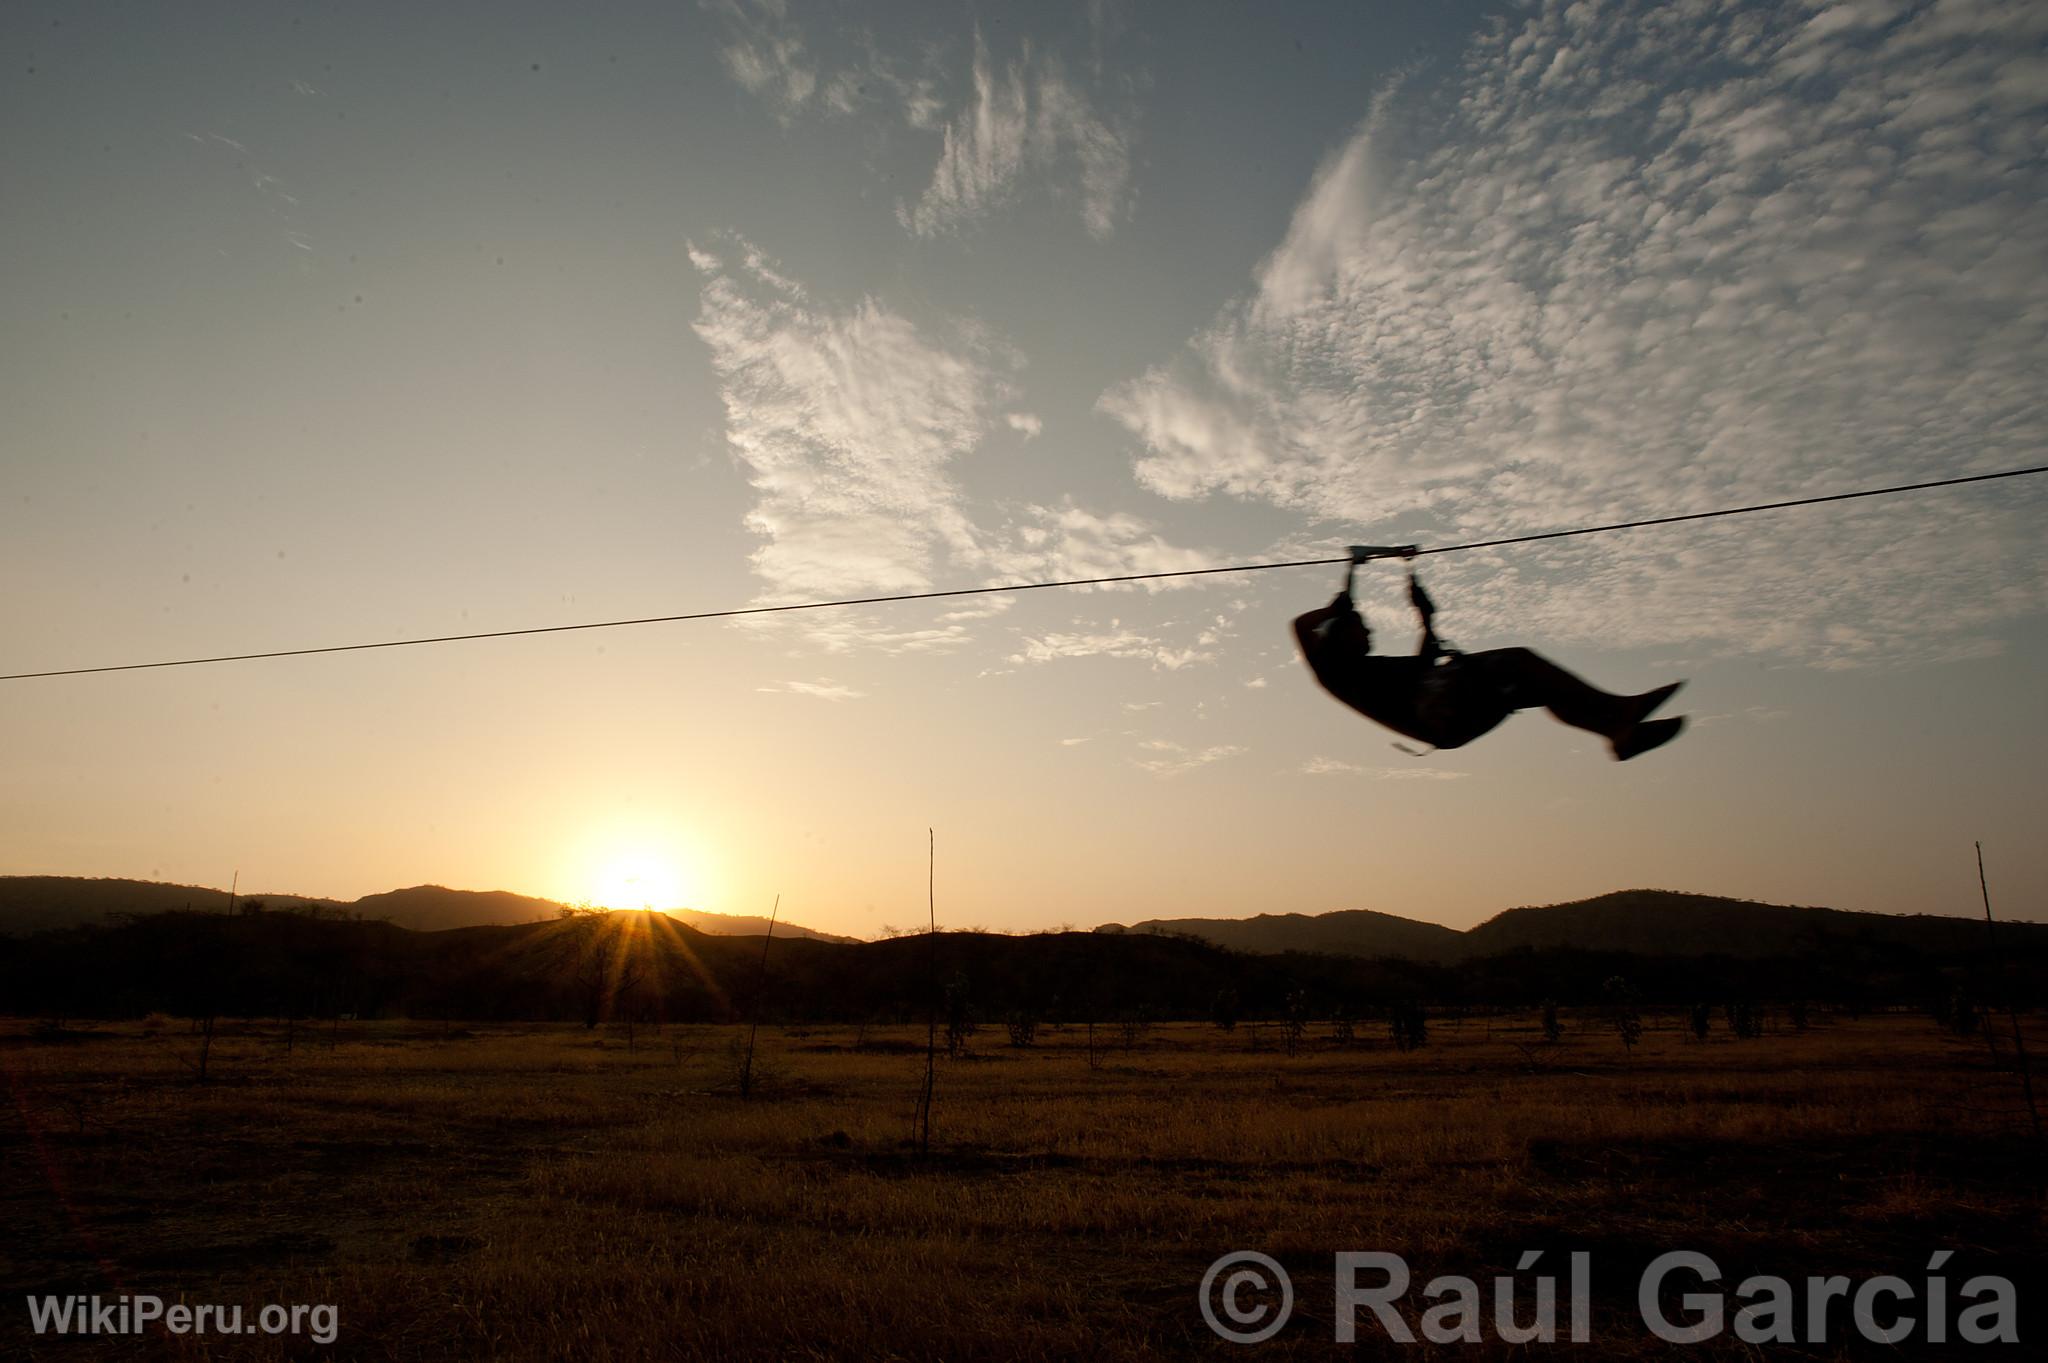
pixel 760 983
pixel 2019 1042
pixel 931 981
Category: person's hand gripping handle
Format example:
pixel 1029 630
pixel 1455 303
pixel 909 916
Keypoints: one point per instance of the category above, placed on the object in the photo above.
pixel 1366 553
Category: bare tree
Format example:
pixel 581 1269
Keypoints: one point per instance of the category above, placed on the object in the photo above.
pixel 607 967
pixel 746 1074
pixel 1621 1004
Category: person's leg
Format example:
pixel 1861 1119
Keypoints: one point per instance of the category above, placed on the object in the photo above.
pixel 1527 680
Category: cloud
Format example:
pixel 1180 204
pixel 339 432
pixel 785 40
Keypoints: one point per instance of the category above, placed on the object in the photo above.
pixel 850 632
pixel 1024 423
pixel 1755 714
pixel 1332 766
pixel 765 52
pixel 847 422
pixel 1175 759
pixel 1025 116
pixel 280 206
pixel 1592 278
pixel 1017 124
pixel 1067 541
pixel 1114 642
pixel 987 608
pixel 769 55
pixel 820 690
pixel 850 423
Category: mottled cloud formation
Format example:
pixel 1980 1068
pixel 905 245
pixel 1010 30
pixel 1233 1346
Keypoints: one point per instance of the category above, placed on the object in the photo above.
pixel 1008 125
pixel 1174 759
pixel 1025 116
pixel 1057 543
pixel 1636 259
pixel 768 53
pixel 765 52
pixel 847 422
pixel 1116 641
pixel 851 422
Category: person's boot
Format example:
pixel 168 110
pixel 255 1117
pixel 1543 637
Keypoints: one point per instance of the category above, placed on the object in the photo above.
pixel 1650 734
pixel 1647 703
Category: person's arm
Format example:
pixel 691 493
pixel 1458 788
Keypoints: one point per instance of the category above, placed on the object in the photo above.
pixel 1430 647
pixel 1305 626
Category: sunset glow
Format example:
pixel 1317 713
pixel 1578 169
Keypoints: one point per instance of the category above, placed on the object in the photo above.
pixel 625 866
pixel 639 881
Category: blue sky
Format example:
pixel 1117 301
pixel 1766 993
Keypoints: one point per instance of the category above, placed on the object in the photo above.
pixel 346 324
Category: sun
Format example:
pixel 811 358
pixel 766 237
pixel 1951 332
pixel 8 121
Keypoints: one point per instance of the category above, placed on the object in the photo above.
pixel 639 879
pixel 636 859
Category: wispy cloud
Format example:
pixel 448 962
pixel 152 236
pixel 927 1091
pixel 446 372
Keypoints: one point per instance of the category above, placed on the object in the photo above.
pixel 769 53
pixel 850 422
pixel 765 52
pixel 1334 766
pixel 1069 541
pixel 1174 759
pixel 1017 123
pixel 1114 642
pixel 1594 277
pixel 818 690
pixel 1024 423
pixel 272 194
pixel 1755 714
pixel 986 608
pixel 847 421
pixel 1023 116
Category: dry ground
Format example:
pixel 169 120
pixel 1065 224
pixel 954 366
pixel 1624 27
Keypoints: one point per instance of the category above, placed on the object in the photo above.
pixel 511 1192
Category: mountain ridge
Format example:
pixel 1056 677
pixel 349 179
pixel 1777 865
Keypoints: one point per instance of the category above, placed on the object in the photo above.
pixel 1643 922
pixel 30 904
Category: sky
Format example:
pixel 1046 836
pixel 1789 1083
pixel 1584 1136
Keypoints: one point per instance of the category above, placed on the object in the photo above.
pixel 333 324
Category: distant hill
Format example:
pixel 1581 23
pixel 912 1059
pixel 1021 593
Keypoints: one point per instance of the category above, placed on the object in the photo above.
pixel 1668 923
pixel 749 925
pixel 38 903
pixel 1345 932
pixel 31 904
pixel 1638 922
pixel 435 908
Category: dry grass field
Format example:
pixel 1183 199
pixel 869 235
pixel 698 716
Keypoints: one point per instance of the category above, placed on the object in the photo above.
pixel 513 1192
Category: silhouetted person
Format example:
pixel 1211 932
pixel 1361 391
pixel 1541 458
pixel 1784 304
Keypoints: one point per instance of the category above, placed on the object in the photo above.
pixel 1447 699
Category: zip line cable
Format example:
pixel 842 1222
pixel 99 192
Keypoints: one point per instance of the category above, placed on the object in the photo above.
pixel 1032 586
